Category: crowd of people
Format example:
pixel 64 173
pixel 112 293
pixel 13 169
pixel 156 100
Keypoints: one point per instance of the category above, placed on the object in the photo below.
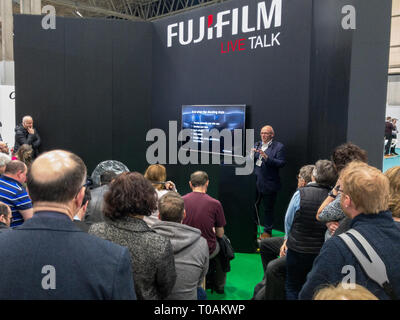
pixel 136 237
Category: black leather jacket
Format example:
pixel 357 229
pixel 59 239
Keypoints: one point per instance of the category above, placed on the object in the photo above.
pixel 22 136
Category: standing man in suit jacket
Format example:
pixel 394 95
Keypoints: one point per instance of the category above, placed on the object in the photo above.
pixel 269 157
pixel 48 257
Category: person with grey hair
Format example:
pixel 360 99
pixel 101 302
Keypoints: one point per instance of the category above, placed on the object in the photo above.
pixel 273 251
pixel 26 134
pixel 190 248
pixel 306 235
pixel 4 159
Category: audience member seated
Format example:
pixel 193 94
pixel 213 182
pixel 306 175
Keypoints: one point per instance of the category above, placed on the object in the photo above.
pixel 80 215
pixel 274 267
pixel 4 159
pixel 5 217
pixel 25 154
pixel 340 293
pixel 306 235
pixel 330 212
pixel 365 199
pixel 94 212
pixel 130 198
pixel 48 257
pixel 157 174
pixel 4 148
pixel 13 193
pixel 393 174
pixel 206 214
pixel 190 248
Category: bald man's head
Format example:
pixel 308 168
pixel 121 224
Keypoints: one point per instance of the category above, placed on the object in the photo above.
pixel 267 133
pixel 56 176
pixel 27 122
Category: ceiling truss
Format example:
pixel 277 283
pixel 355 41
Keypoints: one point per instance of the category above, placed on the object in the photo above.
pixel 141 10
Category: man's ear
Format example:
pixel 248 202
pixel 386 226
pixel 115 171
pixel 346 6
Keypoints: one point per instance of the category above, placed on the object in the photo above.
pixel 190 184
pixel 79 198
pixel 84 207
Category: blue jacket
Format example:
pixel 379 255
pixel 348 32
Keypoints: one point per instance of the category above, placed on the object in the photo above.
pixel 383 235
pixel 82 266
pixel 268 174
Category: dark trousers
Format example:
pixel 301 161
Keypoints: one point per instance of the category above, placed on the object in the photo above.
pixel 216 276
pixel 298 265
pixel 274 268
pixel 268 199
pixel 388 144
pixel 393 149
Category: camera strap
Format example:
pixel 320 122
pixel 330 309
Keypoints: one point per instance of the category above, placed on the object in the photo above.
pixel 374 267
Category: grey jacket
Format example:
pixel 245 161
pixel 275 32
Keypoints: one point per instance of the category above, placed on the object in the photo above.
pixel 151 255
pixel 191 258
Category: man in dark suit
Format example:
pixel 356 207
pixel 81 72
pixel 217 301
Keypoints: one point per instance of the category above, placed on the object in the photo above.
pixel 269 157
pixel 48 257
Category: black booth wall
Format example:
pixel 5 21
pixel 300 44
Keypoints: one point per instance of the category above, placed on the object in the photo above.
pixel 87 85
pixel 97 86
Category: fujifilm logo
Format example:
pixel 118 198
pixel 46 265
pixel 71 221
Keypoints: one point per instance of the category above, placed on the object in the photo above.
pixel 226 21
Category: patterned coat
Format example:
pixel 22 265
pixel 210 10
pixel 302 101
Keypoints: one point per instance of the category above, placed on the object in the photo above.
pixel 152 256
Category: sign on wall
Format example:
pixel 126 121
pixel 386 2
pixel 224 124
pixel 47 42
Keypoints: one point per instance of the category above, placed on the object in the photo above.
pixel 259 26
pixel 7 114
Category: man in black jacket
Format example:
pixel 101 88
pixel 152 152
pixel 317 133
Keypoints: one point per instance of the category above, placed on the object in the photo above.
pixel 26 134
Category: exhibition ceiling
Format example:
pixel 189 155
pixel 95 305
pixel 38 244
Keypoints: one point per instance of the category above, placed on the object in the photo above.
pixel 125 9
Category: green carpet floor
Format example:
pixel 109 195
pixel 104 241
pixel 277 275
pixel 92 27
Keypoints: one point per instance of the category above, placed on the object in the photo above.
pixel 246 272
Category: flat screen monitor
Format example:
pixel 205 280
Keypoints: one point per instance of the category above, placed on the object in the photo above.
pixel 200 120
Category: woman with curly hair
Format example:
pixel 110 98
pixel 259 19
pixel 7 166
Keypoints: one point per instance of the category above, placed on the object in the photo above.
pixel 25 154
pixel 130 198
pixel 393 174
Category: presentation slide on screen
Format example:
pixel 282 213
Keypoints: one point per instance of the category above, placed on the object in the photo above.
pixel 201 120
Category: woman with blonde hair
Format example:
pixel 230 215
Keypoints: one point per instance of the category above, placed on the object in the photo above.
pixel 344 293
pixel 393 174
pixel 157 174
